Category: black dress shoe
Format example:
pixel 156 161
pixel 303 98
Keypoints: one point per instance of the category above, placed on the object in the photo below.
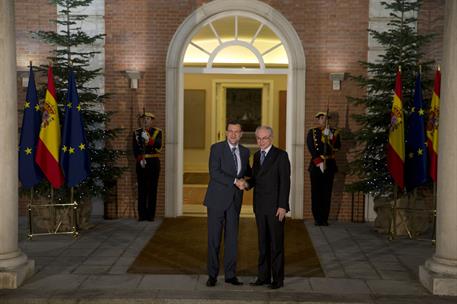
pixel 211 282
pixel 233 281
pixel 259 283
pixel 276 285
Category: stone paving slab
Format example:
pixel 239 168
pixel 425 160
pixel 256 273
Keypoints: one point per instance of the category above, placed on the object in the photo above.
pixel 122 281
pixel 56 281
pixel 339 286
pixel 169 282
pixel 390 287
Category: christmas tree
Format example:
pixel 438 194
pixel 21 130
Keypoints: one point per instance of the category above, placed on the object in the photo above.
pixel 71 50
pixel 403 47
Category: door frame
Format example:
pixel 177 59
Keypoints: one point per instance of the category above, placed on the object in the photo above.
pixel 219 98
pixel 174 142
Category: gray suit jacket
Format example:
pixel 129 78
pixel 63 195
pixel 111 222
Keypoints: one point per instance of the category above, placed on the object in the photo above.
pixel 221 189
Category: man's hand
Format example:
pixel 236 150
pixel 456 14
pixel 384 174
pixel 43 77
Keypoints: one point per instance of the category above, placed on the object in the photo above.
pixel 321 166
pixel 143 163
pixel 145 136
pixel 281 213
pixel 240 183
pixel 328 132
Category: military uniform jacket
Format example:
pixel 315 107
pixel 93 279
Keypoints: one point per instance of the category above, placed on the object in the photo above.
pixel 150 149
pixel 322 149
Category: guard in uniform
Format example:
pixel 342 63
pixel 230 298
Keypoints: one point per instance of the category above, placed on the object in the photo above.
pixel 322 143
pixel 147 144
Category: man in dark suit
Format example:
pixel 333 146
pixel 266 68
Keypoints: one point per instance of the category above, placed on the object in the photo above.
pixel 228 165
pixel 271 182
pixel 322 142
pixel 147 144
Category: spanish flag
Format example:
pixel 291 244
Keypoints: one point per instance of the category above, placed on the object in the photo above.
pixel 47 155
pixel 396 146
pixel 432 127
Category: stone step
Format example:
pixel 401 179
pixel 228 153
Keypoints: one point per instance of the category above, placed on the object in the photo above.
pixel 135 296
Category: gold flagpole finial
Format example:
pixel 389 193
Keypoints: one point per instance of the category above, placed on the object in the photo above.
pixel 399 68
pixel 439 68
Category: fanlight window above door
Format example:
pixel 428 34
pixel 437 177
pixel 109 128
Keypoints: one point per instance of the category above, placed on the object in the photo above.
pixel 235 42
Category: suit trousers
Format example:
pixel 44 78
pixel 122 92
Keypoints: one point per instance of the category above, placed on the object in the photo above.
pixel 148 179
pixel 226 221
pixel 321 193
pixel 271 248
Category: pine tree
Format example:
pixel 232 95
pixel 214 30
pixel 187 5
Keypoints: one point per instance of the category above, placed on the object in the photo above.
pixel 403 47
pixel 69 52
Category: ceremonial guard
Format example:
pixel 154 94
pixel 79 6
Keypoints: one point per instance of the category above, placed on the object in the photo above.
pixel 322 142
pixel 147 144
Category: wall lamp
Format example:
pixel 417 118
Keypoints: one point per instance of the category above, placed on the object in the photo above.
pixel 336 79
pixel 134 77
pixel 23 75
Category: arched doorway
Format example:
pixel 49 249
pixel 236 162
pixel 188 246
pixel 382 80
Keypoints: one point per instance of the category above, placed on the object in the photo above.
pixel 294 143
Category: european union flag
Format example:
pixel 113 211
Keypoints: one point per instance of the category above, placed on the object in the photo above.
pixel 74 160
pixel 29 172
pixel 416 151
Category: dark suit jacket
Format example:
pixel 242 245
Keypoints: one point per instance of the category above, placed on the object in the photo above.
pixel 271 182
pixel 221 189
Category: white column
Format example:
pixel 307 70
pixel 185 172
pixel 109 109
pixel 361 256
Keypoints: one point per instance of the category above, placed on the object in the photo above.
pixel 439 273
pixel 14 265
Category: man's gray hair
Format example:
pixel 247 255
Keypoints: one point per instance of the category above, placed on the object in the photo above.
pixel 268 128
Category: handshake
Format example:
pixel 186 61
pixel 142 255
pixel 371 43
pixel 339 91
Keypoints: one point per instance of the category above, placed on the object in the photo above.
pixel 241 183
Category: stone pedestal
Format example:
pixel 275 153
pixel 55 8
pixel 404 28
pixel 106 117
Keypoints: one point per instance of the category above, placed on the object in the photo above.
pixel 13 277
pixel 439 276
pixel 439 273
pixel 14 265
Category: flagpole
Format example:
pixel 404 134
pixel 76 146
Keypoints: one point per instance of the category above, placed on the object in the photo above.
pixel 434 214
pixel 30 214
pixel 52 210
pixel 393 224
pixel 74 214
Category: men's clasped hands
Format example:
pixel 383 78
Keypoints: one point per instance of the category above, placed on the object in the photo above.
pixel 241 183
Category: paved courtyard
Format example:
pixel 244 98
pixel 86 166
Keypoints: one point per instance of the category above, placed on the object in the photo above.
pixel 360 266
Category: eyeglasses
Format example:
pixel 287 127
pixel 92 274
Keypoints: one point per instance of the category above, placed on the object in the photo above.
pixel 263 138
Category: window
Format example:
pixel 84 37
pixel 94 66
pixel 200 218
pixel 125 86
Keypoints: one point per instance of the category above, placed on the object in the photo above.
pixel 236 42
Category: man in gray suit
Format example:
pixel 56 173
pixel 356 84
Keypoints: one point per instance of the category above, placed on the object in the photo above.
pixel 271 182
pixel 228 165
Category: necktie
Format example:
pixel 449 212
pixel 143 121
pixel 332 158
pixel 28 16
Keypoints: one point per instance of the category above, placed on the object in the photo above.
pixel 262 157
pixel 235 158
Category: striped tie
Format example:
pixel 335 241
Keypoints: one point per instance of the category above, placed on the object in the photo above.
pixel 235 159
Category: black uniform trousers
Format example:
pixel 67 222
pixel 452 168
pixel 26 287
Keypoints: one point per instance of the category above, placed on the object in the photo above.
pixel 148 179
pixel 271 248
pixel 321 193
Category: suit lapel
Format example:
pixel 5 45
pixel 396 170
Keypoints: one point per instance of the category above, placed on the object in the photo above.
pixel 229 157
